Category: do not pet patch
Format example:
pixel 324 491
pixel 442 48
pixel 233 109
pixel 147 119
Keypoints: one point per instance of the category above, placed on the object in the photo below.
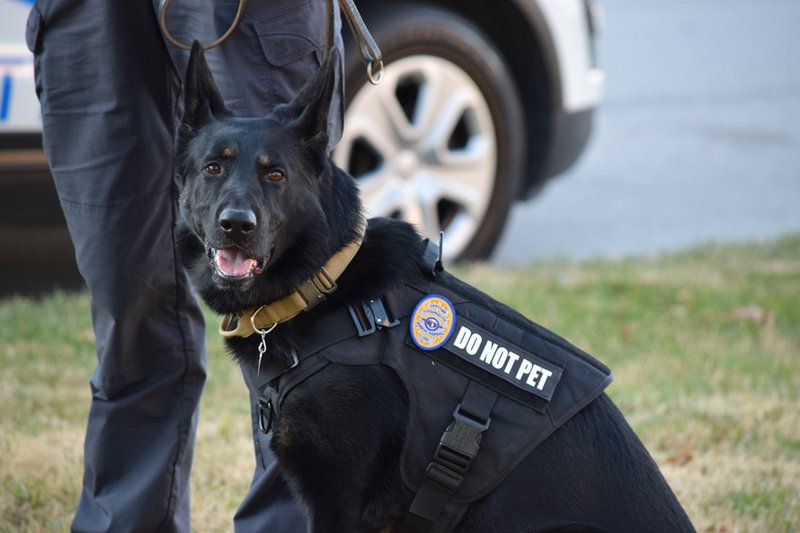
pixel 504 359
pixel 432 322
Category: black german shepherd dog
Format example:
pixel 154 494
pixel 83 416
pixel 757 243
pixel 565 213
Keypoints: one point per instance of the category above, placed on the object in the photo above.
pixel 262 209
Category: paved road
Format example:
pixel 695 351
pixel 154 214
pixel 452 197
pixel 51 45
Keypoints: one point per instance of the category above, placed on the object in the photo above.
pixel 698 138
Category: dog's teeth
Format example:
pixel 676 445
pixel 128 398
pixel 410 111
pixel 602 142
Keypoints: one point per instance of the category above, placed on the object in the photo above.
pixel 234 263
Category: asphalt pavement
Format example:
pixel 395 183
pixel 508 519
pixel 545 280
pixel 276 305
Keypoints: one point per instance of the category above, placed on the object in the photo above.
pixel 697 140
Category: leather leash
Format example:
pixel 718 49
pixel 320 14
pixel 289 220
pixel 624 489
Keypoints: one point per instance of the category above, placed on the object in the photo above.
pixel 370 52
pixel 162 10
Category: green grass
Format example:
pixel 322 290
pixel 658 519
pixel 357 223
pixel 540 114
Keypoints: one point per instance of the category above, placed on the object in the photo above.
pixel 705 346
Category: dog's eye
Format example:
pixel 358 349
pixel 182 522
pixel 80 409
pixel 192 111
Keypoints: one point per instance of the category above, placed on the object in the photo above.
pixel 213 169
pixel 275 175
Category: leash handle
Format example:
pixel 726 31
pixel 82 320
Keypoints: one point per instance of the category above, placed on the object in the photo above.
pixel 370 53
pixel 162 21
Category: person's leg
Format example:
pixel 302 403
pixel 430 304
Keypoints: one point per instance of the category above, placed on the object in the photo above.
pixel 108 90
pixel 277 47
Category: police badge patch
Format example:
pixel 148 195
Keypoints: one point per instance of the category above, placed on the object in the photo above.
pixel 432 322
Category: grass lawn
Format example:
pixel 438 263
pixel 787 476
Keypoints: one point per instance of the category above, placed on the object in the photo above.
pixel 705 346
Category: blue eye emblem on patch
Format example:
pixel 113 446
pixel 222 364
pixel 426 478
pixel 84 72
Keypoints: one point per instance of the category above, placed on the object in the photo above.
pixel 432 322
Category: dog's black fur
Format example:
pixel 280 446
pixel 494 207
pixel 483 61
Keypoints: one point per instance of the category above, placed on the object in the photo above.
pixel 266 188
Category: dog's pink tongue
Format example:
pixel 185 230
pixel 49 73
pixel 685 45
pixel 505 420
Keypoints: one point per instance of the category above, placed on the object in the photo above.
pixel 233 262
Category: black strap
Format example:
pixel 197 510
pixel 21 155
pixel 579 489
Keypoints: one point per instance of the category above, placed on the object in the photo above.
pixel 272 394
pixel 458 447
pixel 370 53
pixel 431 259
pixel 276 379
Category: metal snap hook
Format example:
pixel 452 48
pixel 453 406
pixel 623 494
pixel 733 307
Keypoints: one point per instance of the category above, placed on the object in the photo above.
pixel 376 76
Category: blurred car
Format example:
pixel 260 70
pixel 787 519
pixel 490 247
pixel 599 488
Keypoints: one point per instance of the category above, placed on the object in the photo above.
pixel 481 102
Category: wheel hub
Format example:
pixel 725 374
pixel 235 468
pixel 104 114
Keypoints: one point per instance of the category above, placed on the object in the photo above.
pixel 422 146
pixel 405 163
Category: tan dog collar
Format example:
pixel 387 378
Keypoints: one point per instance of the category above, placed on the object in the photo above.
pixel 307 295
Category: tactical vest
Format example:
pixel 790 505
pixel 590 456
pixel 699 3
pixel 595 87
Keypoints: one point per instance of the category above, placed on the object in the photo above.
pixel 485 385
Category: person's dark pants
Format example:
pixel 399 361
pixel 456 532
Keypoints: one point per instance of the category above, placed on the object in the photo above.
pixel 109 87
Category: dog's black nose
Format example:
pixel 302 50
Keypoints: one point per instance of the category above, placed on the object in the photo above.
pixel 237 222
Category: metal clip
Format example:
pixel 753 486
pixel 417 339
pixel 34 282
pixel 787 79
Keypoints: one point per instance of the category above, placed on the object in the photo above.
pixel 265 415
pixel 262 346
pixel 370 316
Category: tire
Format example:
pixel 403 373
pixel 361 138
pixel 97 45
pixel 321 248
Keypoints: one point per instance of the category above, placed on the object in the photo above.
pixel 440 141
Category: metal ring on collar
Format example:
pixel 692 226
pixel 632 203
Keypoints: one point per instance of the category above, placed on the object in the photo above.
pixel 261 332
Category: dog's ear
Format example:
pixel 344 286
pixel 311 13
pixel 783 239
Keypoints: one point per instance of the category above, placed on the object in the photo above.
pixel 202 100
pixel 309 110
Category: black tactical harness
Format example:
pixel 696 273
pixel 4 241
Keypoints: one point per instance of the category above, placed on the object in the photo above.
pixel 478 405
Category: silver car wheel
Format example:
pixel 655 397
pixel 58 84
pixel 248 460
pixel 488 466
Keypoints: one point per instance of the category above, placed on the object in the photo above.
pixel 422 147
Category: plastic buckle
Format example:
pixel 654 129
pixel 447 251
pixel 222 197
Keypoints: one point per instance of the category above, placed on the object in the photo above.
pixel 460 442
pixel 229 322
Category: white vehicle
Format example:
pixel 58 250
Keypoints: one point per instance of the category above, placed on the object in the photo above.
pixel 480 104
